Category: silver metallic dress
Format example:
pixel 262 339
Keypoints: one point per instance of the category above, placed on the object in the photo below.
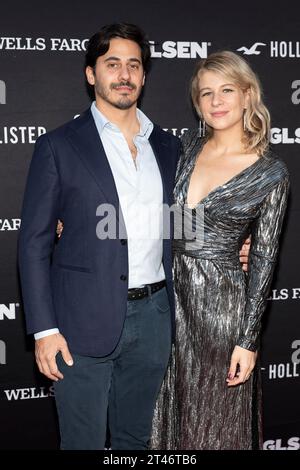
pixel 218 307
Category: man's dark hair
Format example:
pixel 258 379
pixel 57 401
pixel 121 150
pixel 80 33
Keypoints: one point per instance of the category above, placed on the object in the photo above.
pixel 98 44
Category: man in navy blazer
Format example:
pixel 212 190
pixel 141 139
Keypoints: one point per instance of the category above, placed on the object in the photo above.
pixel 101 307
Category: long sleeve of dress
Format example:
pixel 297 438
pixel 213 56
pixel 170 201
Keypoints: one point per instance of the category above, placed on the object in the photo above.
pixel 262 259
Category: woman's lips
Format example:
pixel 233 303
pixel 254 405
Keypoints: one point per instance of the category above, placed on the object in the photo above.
pixel 219 113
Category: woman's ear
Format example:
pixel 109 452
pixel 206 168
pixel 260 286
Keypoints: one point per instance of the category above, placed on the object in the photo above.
pixel 247 95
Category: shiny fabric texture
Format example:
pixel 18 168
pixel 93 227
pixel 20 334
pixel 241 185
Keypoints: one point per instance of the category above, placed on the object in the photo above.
pixel 218 306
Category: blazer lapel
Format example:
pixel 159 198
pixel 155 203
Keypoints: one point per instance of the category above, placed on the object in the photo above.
pixel 161 149
pixel 85 140
pixel 88 146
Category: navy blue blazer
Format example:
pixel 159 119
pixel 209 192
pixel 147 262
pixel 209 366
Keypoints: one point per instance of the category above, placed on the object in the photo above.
pixel 80 283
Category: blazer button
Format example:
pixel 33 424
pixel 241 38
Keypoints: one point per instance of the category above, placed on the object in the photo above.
pixel 123 242
pixel 123 277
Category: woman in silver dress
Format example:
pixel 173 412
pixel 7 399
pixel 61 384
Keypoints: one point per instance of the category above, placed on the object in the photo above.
pixel 211 395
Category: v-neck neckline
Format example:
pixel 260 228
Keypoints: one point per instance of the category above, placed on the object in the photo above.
pixel 217 188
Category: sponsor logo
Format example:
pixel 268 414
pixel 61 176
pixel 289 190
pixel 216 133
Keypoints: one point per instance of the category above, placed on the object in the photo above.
pixel 20 134
pixel 29 134
pixel 284 294
pixel 278 135
pixel 284 136
pixel 282 371
pixel 252 50
pixel 8 311
pixel 2 92
pixel 41 44
pixel 295 98
pixel 9 224
pixel 293 443
pixel 277 49
pixel 179 49
pixel 175 131
pixel 289 49
pixel 286 370
pixel 167 49
pixel 2 352
pixel 29 393
pixel 22 44
pixel 68 45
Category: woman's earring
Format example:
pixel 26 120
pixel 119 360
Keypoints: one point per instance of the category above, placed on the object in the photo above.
pixel 244 121
pixel 201 128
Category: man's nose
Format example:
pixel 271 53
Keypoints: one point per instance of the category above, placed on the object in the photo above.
pixel 124 73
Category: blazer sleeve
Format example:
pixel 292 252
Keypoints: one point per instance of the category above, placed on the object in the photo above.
pixel 262 259
pixel 37 237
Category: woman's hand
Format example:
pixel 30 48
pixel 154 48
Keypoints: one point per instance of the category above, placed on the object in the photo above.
pixel 241 365
pixel 59 228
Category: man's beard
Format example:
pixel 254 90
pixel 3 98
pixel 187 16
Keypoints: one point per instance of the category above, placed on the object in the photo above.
pixel 123 102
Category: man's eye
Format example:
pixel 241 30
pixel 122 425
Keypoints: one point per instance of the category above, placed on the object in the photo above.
pixel 112 66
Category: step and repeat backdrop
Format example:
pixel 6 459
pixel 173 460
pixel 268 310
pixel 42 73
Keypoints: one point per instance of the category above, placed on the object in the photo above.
pixel 42 85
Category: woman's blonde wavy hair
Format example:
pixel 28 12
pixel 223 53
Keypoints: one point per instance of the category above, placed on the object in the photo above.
pixel 257 116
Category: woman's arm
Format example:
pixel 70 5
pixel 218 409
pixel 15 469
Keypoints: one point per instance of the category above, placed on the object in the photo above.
pixel 262 259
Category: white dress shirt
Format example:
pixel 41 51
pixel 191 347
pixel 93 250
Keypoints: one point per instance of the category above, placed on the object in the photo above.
pixel 140 192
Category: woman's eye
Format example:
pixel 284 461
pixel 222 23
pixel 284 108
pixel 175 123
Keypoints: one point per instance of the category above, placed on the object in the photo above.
pixel 227 90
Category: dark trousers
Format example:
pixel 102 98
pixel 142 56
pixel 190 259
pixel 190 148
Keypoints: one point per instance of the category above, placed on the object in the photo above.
pixel 122 386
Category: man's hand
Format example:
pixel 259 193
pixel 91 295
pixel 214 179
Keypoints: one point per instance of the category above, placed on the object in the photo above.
pixel 241 365
pixel 244 254
pixel 45 351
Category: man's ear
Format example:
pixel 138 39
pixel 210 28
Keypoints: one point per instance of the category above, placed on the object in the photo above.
pixel 90 76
